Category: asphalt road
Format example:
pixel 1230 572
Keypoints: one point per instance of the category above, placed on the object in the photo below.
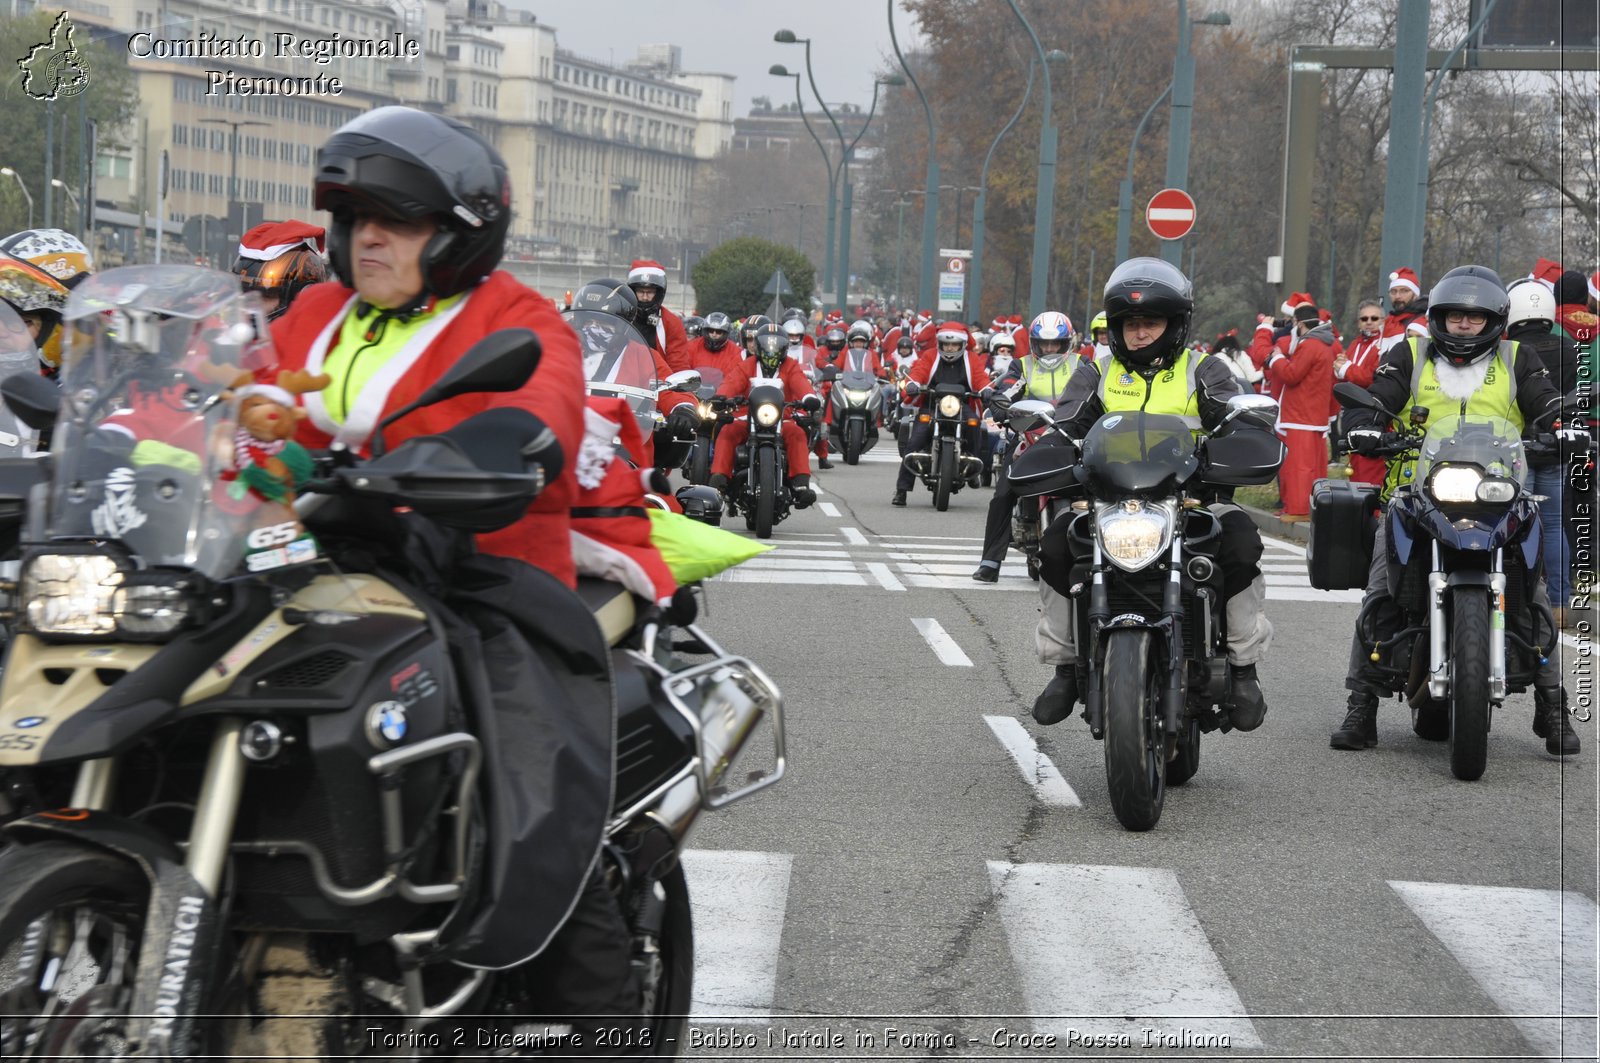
pixel 937 865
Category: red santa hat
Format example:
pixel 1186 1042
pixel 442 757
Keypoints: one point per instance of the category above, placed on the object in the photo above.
pixel 1295 301
pixel 1000 324
pixel 1547 273
pixel 1594 285
pixel 1014 319
pixel 272 238
pixel 616 546
pixel 644 271
pixel 1406 277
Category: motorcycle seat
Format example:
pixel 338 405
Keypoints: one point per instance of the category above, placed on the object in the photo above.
pixel 612 605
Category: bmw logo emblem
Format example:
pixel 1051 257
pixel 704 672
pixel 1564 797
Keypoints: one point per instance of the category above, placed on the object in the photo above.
pixel 29 721
pixel 386 723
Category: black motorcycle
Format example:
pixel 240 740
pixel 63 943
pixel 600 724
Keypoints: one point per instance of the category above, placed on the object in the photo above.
pixel 1150 619
pixel 1027 423
pixel 945 467
pixel 265 793
pixel 697 469
pixel 759 485
pixel 1463 558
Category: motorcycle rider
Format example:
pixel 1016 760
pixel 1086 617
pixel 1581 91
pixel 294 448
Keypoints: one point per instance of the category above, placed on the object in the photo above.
pixel 36 296
pixel 420 206
pixel 1465 366
pixel 950 360
pixel 65 258
pixel 1002 355
pixel 280 259
pixel 711 348
pixel 693 325
pixel 662 329
pixel 1149 306
pixel 770 364
pixel 1043 374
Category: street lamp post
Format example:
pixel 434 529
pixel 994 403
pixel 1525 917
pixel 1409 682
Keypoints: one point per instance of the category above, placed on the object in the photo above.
pixel 979 204
pixel 233 153
pixel 1044 209
pixel 9 172
pixel 788 37
pixel 76 203
pixel 1125 193
pixel 1182 111
pixel 781 71
pixel 848 194
pixel 930 206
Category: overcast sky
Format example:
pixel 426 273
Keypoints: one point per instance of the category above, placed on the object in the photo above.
pixel 850 37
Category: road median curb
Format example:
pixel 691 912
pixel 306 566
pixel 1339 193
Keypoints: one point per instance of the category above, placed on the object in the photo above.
pixel 1272 525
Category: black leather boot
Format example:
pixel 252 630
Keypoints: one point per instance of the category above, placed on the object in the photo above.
pixel 1247 706
pixel 1060 694
pixel 1552 723
pixel 1360 727
pixel 800 491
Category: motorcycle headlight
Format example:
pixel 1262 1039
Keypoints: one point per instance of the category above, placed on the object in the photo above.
pixel 1497 492
pixel 766 415
pixel 949 406
pixel 855 397
pixel 1133 533
pixel 1455 483
pixel 91 596
pixel 706 412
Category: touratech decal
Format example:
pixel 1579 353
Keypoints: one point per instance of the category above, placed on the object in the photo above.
pixel 175 967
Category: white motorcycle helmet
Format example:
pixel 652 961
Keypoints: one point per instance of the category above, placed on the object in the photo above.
pixel 1050 325
pixel 861 330
pixel 1531 301
pixel 951 340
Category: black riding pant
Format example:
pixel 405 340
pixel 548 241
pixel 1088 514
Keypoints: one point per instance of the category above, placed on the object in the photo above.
pixel 921 441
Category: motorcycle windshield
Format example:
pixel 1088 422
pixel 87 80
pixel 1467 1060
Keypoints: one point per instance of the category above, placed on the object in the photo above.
pixel 1139 454
pixel 616 360
pixel 856 381
pixel 710 380
pixel 1493 444
pixel 17 355
pixel 158 362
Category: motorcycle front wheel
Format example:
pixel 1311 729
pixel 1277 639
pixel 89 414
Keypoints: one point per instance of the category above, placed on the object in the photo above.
pixel 1469 683
pixel 1136 755
pixel 766 491
pixel 854 430
pixel 699 471
pixel 71 924
pixel 946 475
pixel 668 999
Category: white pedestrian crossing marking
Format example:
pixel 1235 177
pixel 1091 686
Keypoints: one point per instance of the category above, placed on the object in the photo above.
pixel 1531 951
pixel 738 904
pixel 828 509
pixel 1096 947
pixel 1038 770
pixel 945 647
pixel 885 578
pixel 853 536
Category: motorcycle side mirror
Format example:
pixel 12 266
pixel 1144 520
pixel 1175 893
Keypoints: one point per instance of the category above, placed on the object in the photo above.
pixel 685 380
pixel 1419 416
pixel 1355 397
pixel 32 398
pixel 502 361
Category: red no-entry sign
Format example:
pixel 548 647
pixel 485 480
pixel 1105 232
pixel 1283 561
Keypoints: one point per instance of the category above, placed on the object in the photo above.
pixel 1170 214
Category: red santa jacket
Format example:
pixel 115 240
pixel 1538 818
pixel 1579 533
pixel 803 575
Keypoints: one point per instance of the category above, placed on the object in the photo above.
pixel 977 375
pixel 1262 348
pixel 846 361
pixel 1020 338
pixel 554 394
pixel 611 522
pixel 725 361
pixel 1305 378
pixel 1361 363
pixel 672 341
pixel 796 385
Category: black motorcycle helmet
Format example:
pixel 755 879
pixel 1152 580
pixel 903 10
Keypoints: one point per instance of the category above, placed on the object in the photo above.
pixel 1476 288
pixel 693 326
pixel 715 333
pixel 608 296
pixel 771 347
pixel 407 164
pixel 794 313
pixel 747 331
pixel 1149 287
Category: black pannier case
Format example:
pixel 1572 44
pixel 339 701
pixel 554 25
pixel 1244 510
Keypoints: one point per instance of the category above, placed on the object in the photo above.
pixel 1343 522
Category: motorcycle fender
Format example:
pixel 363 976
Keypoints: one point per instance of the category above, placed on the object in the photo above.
pixel 1467 577
pixel 1400 541
pixel 182 926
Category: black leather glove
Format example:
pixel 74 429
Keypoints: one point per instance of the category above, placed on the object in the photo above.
pixel 1365 441
pixel 684 420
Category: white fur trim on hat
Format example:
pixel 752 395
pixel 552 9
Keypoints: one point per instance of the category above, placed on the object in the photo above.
pixel 597 451
pixel 1594 285
pixel 267 391
pixel 1396 280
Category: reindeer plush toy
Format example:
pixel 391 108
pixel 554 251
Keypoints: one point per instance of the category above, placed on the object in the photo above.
pixel 266 460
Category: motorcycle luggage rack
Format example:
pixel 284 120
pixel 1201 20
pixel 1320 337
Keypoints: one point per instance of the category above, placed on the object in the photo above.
pixel 396 848
pixel 710 765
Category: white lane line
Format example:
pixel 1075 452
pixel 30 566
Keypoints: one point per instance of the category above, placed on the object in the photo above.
pixel 1038 770
pixel 738 902
pixel 1531 951
pixel 1106 950
pixel 828 509
pixel 853 536
pixel 803 576
pixel 1304 593
pixel 943 645
pixel 798 564
pixel 885 578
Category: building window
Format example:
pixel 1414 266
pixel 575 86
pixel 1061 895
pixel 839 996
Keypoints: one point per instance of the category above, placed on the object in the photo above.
pixel 450 90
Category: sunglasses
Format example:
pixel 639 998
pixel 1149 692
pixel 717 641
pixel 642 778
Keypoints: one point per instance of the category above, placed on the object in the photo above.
pixel 1369 319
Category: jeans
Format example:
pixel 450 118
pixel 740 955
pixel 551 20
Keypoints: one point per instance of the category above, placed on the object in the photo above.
pixel 1549 479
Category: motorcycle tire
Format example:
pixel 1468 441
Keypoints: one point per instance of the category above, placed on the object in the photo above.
pixel 62 883
pixel 945 478
pixel 1136 755
pixel 668 1009
pixel 1469 683
pixel 854 430
pixel 699 471
pixel 1181 768
pixel 766 492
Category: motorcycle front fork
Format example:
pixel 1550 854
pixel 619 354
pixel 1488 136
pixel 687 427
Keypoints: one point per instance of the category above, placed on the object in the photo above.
pixel 1439 631
pixel 1170 628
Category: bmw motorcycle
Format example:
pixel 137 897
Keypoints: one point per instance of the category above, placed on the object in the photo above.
pixel 1140 565
pixel 1027 422
pixel 856 398
pixel 1463 558
pixel 262 793
pixel 945 467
